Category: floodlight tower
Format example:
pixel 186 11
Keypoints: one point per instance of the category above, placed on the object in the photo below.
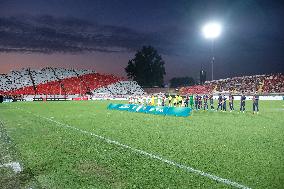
pixel 212 31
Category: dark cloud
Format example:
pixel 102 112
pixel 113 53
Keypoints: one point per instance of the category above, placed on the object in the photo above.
pixel 48 34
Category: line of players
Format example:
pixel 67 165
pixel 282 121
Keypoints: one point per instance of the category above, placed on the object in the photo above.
pixel 222 102
pixel 160 100
pixel 201 102
pixel 197 102
pixel 148 100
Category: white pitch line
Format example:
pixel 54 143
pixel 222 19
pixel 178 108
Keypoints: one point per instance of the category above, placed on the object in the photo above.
pixel 170 162
pixel 14 165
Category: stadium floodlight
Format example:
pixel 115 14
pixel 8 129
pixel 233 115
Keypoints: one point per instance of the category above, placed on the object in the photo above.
pixel 212 31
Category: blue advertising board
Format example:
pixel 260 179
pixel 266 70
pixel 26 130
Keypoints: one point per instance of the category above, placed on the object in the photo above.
pixel 156 110
pixel 179 111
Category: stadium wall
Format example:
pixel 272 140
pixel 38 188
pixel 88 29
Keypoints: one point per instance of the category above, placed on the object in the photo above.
pixel 75 97
pixel 155 90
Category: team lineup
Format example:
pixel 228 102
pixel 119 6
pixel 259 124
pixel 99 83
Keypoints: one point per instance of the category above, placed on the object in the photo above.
pixel 196 102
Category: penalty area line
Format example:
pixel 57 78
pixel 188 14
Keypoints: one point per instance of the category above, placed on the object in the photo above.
pixel 150 155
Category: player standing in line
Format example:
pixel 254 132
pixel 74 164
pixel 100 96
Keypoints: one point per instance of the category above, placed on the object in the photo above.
pixel 205 100
pixel 243 103
pixel 175 101
pixel 191 101
pixel 180 99
pixel 220 100
pixel 148 100
pixel 170 100
pixel 136 100
pixel 224 103
pixel 199 102
pixel 255 103
pixel 159 102
pixel 186 101
pixel 196 101
pixel 144 100
pixel 152 100
pixel 164 100
pixel 141 100
pixel 211 101
pixel 231 102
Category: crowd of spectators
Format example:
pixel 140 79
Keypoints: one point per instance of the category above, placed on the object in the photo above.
pixel 273 83
pixel 196 89
pixel 60 81
pixel 15 80
pixel 156 90
pixel 121 88
pixel 270 83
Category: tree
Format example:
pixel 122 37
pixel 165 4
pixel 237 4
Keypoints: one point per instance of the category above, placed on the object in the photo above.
pixel 181 81
pixel 147 68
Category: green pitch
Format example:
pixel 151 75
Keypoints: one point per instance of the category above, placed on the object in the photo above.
pixel 56 145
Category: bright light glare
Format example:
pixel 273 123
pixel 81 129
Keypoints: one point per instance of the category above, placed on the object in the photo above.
pixel 212 30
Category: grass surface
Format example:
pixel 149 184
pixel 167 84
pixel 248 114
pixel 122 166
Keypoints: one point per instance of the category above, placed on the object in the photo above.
pixel 244 148
pixel 8 154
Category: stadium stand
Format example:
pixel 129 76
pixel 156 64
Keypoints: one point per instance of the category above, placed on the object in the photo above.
pixel 197 89
pixel 273 84
pixel 43 76
pixel 60 81
pixel 5 84
pixel 156 90
pixel 62 73
pixel 121 88
pixel 270 83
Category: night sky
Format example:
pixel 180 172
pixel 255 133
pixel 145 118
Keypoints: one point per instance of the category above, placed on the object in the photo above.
pixel 104 35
